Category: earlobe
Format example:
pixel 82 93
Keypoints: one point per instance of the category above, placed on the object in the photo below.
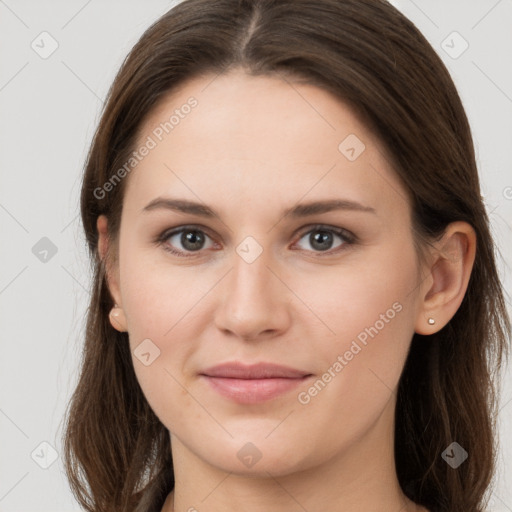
pixel 448 280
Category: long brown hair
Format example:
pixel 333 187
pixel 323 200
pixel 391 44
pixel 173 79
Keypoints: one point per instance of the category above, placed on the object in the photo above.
pixel 117 452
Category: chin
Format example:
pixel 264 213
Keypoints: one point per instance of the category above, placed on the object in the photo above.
pixel 259 458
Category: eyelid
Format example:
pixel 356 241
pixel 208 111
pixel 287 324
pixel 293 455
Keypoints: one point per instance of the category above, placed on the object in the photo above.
pixel 342 232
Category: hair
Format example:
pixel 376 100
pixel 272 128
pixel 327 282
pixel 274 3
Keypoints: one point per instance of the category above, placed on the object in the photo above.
pixel 117 452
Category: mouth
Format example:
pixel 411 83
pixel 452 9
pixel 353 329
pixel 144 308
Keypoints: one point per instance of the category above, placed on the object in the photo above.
pixel 251 384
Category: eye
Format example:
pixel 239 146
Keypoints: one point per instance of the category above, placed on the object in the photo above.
pixel 190 238
pixel 321 238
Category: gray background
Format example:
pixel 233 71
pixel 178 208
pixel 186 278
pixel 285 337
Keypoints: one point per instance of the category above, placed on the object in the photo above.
pixel 49 110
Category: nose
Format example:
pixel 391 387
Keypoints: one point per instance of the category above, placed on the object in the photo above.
pixel 254 300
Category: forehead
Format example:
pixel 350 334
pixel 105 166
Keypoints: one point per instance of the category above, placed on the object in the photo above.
pixel 242 136
pixel 243 108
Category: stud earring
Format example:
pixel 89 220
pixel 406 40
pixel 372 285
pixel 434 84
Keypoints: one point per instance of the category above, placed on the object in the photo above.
pixel 117 317
pixel 431 321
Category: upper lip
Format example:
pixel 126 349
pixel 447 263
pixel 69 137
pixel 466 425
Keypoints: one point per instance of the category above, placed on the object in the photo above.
pixel 237 370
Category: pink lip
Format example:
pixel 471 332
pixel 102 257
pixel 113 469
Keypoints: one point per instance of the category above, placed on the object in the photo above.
pixel 250 384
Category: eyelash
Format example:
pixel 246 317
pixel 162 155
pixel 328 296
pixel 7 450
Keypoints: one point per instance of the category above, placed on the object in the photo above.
pixel 347 237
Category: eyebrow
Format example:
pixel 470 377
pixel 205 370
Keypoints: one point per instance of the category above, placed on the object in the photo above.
pixel 298 211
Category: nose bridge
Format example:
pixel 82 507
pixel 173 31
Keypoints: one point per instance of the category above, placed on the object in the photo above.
pixel 251 276
pixel 252 299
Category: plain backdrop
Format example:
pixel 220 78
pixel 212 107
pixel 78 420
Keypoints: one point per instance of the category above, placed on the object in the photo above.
pixel 50 107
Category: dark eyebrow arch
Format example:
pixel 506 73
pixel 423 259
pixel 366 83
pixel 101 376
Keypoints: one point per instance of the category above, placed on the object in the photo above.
pixel 298 211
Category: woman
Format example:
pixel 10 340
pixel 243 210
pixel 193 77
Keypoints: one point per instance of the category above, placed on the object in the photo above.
pixel 296 304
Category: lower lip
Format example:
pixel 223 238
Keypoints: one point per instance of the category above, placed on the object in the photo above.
pixel 252 391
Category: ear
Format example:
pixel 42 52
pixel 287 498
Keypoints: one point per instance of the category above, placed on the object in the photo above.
pixel 446 282
pixel 116 315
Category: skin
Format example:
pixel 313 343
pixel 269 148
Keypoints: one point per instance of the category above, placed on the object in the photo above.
pixel 253 147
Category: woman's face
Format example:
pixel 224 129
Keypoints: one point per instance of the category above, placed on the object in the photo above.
pixel 261 277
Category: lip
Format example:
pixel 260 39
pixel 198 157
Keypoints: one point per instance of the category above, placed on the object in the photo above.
pixel 255 383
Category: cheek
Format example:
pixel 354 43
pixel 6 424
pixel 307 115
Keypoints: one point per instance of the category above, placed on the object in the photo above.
pixel 158 295
pixel 372 289
pixel 370 313
pixel 162 304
